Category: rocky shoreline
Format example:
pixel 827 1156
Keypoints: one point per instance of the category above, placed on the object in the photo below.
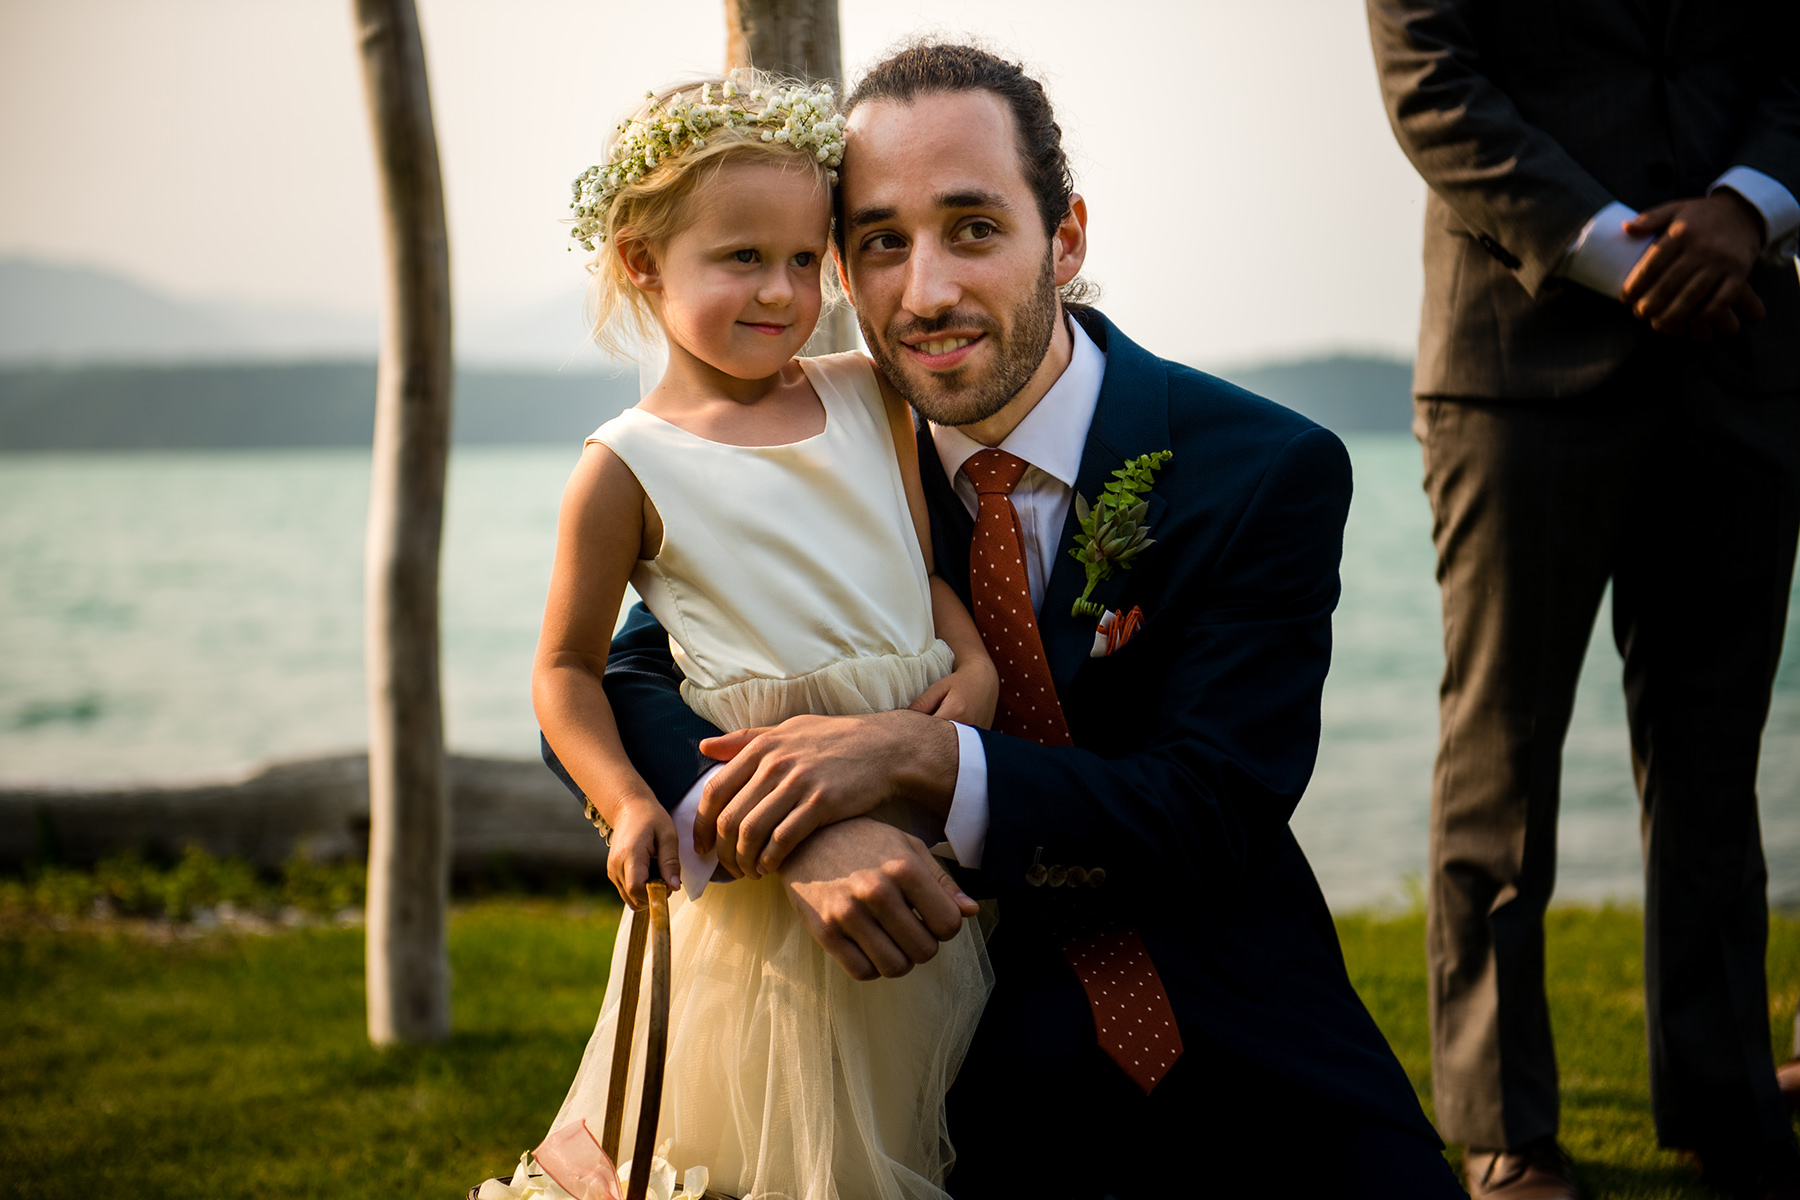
pixel 505 815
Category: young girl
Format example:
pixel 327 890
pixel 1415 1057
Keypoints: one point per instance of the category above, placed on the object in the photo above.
pixel 769 511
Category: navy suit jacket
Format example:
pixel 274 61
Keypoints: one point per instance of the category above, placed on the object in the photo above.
pixel 1193 741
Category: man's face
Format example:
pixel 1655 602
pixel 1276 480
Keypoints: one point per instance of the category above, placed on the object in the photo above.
pixel 946 259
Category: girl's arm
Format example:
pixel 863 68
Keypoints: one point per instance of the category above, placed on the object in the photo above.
pixel 970 692
pixel 606 524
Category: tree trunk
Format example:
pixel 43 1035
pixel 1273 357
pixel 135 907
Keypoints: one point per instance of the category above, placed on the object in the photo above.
pixel 796 38
pixel 407 969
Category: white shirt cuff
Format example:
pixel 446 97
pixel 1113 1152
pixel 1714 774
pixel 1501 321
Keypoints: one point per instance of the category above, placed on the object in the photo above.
pixel 966 825
pixel 1780 211
pixel 1602 255
pixel 696 868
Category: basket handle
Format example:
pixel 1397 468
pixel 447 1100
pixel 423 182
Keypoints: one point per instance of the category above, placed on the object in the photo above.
pixel 651 1103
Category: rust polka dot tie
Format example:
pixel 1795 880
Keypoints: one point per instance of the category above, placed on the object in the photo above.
pixel 1002 602
pixel 1132 1018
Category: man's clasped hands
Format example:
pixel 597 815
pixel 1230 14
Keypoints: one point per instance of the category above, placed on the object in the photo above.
pixel 1695 278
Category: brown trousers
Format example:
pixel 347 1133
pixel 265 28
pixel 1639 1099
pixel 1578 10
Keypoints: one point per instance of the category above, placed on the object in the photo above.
pixel 1687 498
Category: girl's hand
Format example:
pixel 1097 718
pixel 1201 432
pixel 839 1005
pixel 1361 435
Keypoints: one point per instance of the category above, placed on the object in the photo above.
pixel 643 834
pixel 968 694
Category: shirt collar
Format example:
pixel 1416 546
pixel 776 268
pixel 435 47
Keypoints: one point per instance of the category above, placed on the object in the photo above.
pixel 1054 433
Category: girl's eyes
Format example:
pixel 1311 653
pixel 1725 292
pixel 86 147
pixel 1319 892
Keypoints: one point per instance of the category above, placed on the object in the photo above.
pixel 805 258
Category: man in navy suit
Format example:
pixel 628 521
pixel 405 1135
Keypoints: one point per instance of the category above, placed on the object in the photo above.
pixel 1157 835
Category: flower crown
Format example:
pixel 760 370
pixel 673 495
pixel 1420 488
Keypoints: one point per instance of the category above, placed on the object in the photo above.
pixel 805 118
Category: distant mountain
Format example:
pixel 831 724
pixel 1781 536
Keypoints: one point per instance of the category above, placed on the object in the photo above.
pixel 64 314
pixel 53 314
pixel 145 406
pixel 290 404
pixel 90 359
pixel 550 335
pixel 1345 393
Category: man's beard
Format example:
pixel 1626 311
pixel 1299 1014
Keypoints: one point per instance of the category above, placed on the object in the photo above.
pixel 952 397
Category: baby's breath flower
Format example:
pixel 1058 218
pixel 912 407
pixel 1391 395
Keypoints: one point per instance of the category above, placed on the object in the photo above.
pixel 801 117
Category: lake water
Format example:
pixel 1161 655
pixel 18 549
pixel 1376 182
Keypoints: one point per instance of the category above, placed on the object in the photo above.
pixel 177 615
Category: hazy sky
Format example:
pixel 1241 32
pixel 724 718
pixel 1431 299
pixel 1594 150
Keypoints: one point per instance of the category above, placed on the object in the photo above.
pixel 1246 199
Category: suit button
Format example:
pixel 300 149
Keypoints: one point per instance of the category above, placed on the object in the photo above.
pixel 1505 257
pixel 1661 176
pixel 1096 877
pixel 1035 874
pixel 1058 876
pixel 1077 876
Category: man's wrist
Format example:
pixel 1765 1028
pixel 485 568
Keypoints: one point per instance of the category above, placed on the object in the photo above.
pixel 1746 215
pixel 1777 209
pixel 926 753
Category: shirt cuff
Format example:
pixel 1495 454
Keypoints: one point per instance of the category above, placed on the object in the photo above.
pixel 696 868
pixel 1780 211
pixel 1602 255
pixel 966 825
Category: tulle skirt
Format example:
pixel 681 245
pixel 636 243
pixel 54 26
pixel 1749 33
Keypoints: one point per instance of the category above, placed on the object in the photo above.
pixel 785 1077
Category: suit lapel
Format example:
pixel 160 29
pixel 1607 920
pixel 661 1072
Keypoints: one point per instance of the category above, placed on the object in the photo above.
pixel 951 525
pixel 1131 418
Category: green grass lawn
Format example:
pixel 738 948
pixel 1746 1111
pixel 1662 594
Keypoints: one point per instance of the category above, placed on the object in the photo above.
pixel 236 1064
pixel 1596 972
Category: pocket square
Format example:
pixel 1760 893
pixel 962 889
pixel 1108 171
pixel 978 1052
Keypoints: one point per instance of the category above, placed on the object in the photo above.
pixel 1114 630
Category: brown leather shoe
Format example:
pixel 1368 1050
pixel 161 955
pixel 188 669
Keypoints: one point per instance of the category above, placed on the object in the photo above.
pixel 1536 1171
pixel 1787 1075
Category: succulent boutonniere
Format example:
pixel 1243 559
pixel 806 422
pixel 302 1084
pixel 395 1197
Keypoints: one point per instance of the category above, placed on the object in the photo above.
pixel 1112 529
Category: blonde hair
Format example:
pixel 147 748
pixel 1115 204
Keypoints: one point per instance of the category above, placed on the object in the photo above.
pixel 652 209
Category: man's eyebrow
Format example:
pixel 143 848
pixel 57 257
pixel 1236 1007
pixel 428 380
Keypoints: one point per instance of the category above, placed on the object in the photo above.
pixel 974 199
pixel 873 214
pixel 876 214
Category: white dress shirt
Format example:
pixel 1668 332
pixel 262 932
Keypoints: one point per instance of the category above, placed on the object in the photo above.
pixel 1602 255
pixel 1050 439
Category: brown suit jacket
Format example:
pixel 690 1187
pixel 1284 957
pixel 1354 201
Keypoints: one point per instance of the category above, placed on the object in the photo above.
pixel 1526 117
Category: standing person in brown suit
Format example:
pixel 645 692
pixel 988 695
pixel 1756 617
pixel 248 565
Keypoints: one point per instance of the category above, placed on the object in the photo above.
pixel 1608 389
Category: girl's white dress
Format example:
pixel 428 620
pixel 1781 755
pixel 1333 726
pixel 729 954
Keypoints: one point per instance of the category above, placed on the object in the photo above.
pixel 790 581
